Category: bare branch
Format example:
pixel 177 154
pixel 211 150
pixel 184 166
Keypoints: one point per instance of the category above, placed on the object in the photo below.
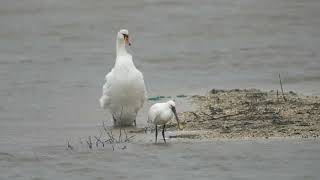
pixel 89 142
pixel 69 146
pixel 105 137
pixel 284 98
pixel 130 138
pixel 123 148
pixel 230 115
pixel 98 140
pixel 125 134
pixel 104 126
pixel 120 139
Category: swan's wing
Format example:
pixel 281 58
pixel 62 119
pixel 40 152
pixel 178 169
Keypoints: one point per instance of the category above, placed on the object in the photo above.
pixel 144 86
pixel 145 95
pixel 104 100
pixel 141 85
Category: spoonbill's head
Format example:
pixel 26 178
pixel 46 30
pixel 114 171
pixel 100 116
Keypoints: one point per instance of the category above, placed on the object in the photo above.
pixel 123 35
pixel 172 105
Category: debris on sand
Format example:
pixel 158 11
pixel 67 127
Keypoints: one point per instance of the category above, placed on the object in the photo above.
pixel 254 113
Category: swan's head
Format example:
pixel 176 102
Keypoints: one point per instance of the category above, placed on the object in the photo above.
pixel 172 105
pixel 123 35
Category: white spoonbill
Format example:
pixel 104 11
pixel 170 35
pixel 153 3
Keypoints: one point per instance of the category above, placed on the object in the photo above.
pixel 160 114
pixel 124 91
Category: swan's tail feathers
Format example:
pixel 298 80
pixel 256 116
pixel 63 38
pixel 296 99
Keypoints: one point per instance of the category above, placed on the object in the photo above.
pixel 103 101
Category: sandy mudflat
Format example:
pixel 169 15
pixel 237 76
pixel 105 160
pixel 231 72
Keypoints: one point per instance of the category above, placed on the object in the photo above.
pixel 238 115
pixel 251 113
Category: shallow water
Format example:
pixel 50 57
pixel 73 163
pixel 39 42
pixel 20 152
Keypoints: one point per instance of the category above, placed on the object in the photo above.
pixel 54 55
pixel 259 159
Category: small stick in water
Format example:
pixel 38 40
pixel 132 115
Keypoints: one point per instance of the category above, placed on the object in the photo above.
pixel 89 142
pixel 69 146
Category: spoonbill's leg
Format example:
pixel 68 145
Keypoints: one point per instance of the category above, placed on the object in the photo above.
pixel 164 138
pixel 156 133
pixel 135 123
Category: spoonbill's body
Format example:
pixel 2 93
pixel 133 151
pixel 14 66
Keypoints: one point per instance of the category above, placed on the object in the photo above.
pixel 124 91
pixel 160 114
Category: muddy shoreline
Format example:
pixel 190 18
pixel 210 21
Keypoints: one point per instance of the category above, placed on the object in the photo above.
pixel 247 114
pixel 250 113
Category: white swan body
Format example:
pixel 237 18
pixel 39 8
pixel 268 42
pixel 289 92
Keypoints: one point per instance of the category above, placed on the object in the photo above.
pixel 124 91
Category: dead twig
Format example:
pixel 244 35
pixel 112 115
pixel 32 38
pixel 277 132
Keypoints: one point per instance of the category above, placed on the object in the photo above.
pixel 111 137
pixel 195 114
pixel 129 139
pixel 104 127
pixel 120 136
pixel 284 98
pixel 107 136
pixel 98 140
pixel 69 146
pixel 205 114
pixel 230 115
pixel 89 142
pixel 123 148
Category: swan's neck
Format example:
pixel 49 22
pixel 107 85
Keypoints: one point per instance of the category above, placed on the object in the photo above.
pixel 121 47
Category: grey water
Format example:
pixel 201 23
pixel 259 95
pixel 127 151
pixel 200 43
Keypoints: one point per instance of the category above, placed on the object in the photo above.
pixel 54 55
pixel 271 159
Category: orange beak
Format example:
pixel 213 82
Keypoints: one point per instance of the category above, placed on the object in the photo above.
pixel 126 39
